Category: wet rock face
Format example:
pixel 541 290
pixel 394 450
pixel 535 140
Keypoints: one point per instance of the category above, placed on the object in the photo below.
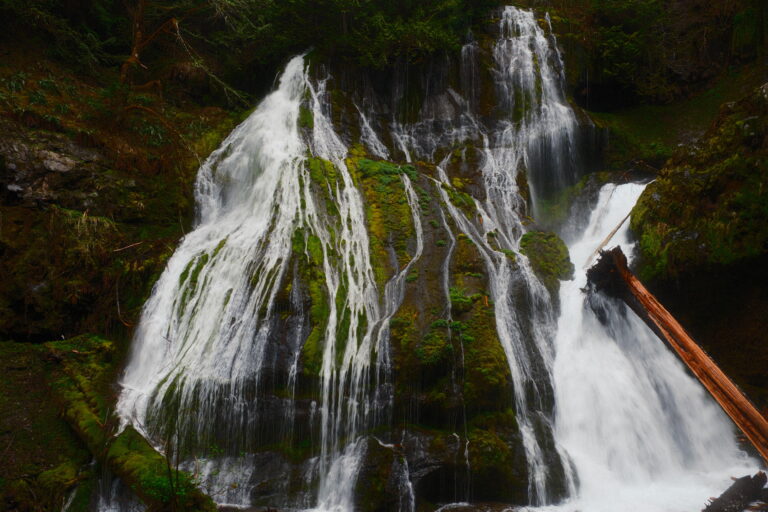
pixel 435 467
pixel 43 167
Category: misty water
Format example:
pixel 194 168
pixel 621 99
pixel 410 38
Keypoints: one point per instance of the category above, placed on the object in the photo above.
pixel 608 417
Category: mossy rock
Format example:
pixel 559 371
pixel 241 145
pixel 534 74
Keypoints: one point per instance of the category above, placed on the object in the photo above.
pixel 376 489
pixel 487 379
pixel 34 477
pixel 388 214
pixel 709 205
pixel 85 361
pixel 553 212
pixel 497 458
pixel 549 258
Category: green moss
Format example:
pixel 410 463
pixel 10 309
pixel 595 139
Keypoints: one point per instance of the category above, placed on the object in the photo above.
pixel 434 348
pixel 86 362
pixel 152 477
pixel 185 273
pixel 553 211
pixel 306 118
pixel 466 258
pixel 496 456
pixel 29 418
pixel 549 258
pixel 315 250
pixel 219 247
pixel 461 200
pixel 511 255
pixel 81 502
pixel 190 275
pixel 385 172
pixel 388 214
pixel 460 302
pixel 487 381
pixel 308 249
pixel 322 171
pixel 708 206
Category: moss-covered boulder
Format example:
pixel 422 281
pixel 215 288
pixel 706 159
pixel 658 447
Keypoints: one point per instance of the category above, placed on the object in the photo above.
pixel 709 205
pixel 496 455
pixel 33 476
pixel 549 258
pixel 85 365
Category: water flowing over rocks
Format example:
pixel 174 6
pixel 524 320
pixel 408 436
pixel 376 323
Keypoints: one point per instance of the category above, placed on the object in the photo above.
pixel 365 316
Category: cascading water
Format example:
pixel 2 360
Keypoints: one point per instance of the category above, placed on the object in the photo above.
pixel 540 130
pixel 200 349
pixel 537 134
pixel 643 434
pixel 277 277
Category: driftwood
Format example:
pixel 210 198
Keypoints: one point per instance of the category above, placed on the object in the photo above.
pixel 740 495
pixel 607 239
pixel 611 275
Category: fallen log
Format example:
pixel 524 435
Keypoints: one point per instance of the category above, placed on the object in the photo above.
pixel 127 454
pixel 612 275
pixel 740 495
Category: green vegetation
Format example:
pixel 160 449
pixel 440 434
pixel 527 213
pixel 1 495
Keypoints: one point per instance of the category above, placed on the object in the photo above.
pixel 34 477
pixel 307 248
pixel 708 205
pixel 487 382
pixel 494 455
pixel 78 370
pixel 229 36
pixel 625 52
pixel 461 200
pixel 377 33
pixel 549 258
pixel 111 220
pixel 131 132
pixel 388 214
pixel 86 365
pixel 554 211
pixel 460 302
pixel 645 136
pixel 306 118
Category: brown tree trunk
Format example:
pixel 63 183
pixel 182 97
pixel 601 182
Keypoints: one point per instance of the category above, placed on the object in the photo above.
pixel 138 37
pixel 611 274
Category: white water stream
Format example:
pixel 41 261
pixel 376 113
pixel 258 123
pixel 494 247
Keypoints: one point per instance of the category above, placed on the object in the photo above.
pixel 639 432
pixel 643 434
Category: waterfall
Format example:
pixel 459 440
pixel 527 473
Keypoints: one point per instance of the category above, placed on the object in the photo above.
pixel 263 363
pixel 201 349
pixel 200 343
pixel 535 134
pixel 642 433
pixel 539 131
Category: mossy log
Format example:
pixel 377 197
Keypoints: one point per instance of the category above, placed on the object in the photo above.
pixel 129 456
pixel 612 275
